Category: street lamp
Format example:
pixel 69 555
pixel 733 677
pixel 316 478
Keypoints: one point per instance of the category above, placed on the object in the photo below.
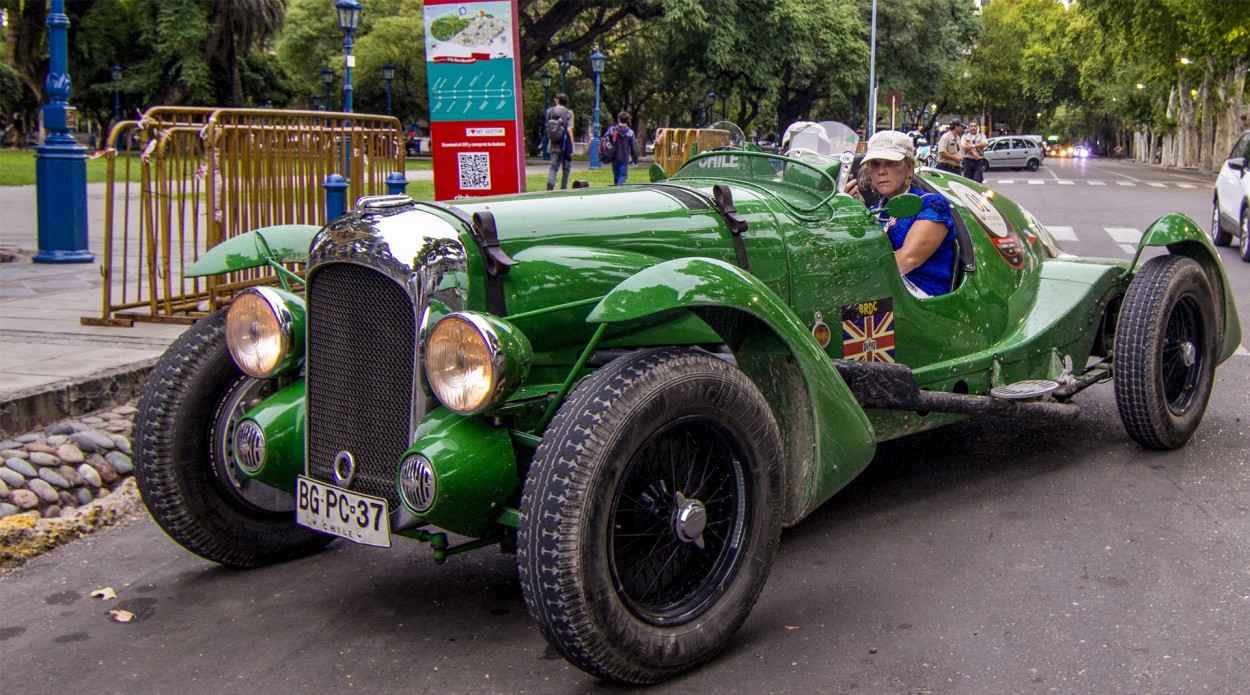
pixel 597 61
pixel 702 102
pixel 545 78
pixel 116 73
pixel 348 12
pixel 711 108
pixel 327 76
pixel 564 60
pixel 60 162
pixel 388 74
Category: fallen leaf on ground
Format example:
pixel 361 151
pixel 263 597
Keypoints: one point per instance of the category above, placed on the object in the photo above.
pixel 104 594
pixel 122 616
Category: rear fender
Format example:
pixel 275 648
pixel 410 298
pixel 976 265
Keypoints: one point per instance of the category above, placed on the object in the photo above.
pixel 1182 236
pixel 828 438
pixel 283 243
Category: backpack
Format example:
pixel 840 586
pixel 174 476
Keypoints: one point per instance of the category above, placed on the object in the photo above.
pixel 555 130
pixel 607 146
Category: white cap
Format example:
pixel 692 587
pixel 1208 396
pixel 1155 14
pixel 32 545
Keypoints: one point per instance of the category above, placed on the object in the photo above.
pixel 890 145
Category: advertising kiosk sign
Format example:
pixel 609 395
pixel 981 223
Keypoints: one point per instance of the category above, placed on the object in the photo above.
pixel 475 105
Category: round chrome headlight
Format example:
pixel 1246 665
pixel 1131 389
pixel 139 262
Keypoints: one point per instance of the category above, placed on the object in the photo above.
pixel 474 361
pixel 261 332
pixel 418 485
pixel 463 363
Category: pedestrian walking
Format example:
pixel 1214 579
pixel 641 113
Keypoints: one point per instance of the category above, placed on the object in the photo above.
pixel 950 155
pixel 973 144
pixel 560 135
pixel 619 147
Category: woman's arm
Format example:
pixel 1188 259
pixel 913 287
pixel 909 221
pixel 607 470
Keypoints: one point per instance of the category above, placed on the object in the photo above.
pixel 924 237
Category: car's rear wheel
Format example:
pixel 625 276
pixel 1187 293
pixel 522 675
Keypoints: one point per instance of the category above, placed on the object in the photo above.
pixel 651 514
pixel 184 460
pixel 1245 235
pixel 1033 164
pixel 1219 237
pixel 1165 352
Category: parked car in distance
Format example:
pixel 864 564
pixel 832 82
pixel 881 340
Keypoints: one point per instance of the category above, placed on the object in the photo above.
pixel 1014 152
pixel 1230 213
pixel 1041 142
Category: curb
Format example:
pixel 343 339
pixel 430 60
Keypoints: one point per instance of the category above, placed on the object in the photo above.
pixel 33 408
pixel 24 536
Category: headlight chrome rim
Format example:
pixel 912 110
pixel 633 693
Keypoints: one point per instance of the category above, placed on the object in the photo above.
pixel 495 361
pixel 281 335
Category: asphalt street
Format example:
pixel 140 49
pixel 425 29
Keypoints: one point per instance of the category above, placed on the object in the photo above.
pixel 994 556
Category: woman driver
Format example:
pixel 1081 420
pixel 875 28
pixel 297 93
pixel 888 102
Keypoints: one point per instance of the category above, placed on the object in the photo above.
pixel 924 245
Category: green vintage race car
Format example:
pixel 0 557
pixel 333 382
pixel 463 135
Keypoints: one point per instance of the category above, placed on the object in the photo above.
pixel 634 389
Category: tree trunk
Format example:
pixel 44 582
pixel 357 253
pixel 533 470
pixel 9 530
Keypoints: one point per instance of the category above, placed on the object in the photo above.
pixel 1206 138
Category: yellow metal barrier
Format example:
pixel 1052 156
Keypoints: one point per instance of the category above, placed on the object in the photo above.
pixel 673 146
pixel 182 180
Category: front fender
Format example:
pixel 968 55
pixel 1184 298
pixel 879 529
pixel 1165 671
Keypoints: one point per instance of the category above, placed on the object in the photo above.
pixel 828 437
pixel 1182 236
pixel 287 243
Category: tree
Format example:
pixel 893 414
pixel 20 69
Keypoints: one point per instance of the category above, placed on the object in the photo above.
pixel 238 27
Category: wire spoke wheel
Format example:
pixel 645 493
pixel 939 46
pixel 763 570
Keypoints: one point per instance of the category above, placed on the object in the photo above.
pixel 1165 352
pixel 651 514
pixel 677 521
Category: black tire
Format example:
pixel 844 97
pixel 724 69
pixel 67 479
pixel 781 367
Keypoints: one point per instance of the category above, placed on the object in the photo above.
pixel 1244 247
pixel 1219 237
pixel 1033 164
pixel 604 471
pixel 1165 352
pixel 186 475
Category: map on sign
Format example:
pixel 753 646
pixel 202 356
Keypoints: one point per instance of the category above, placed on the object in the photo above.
pixel 471 59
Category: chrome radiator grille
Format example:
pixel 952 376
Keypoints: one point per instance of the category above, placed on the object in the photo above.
pixel 361 347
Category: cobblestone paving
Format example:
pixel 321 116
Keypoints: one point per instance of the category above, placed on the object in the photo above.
pixel 55 483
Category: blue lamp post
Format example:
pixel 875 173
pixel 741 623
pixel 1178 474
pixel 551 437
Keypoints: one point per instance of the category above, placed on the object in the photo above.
pixel 116 73
pixel 327 76
pixel 597 60
pixel 545 78
pixel 60 163
pixel 388 74
pixel 348 12
pixel 564 60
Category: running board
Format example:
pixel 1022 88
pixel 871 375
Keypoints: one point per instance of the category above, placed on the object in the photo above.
pixel 886 386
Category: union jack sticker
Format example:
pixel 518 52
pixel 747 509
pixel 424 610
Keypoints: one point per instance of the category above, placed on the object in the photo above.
pixel 868 331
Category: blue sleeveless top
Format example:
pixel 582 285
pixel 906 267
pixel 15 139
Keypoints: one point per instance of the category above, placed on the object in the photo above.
pixel 934 275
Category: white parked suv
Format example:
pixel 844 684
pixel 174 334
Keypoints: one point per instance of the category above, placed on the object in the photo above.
pixel 1230 216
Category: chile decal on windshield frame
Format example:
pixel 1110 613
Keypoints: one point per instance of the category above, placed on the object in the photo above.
pixel 868 331
pixel 996 226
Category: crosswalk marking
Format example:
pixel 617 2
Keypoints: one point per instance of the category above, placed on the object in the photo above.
pixel 1242 351
pixel 1062 233
pixel 1125 183
pixel 1007 181
pixel 1036 183
pixel 1098 183
pixel 1069 182
pixel 1156 184
pixel 1185 185
pixel 1066 183
pixel 1126 237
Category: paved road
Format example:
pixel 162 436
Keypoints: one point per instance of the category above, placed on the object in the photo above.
pixel 995 556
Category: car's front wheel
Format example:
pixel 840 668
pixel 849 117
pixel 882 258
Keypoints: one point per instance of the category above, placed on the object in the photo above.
pixel 184 457
pixel 1165 352
pixel 1219 237
pixel 1033 164
pixel 651 514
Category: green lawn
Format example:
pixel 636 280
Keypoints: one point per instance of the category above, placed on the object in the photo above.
pixel 17 168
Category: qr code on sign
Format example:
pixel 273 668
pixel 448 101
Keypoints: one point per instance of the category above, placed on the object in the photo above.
pixel 474 171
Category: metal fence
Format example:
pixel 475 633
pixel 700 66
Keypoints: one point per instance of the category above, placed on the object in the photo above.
pixel 182 180
pixel 673 146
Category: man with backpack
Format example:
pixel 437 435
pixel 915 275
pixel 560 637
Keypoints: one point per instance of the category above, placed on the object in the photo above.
pixel 620 148
pixel 560 134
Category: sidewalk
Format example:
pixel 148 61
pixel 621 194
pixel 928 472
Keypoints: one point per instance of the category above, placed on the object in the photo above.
pixel 52 366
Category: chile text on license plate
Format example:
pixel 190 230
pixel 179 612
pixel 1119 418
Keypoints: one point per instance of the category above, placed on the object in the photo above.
pixel 335 511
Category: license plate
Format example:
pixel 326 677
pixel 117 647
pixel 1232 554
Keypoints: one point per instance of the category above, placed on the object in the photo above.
pixel 328 509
